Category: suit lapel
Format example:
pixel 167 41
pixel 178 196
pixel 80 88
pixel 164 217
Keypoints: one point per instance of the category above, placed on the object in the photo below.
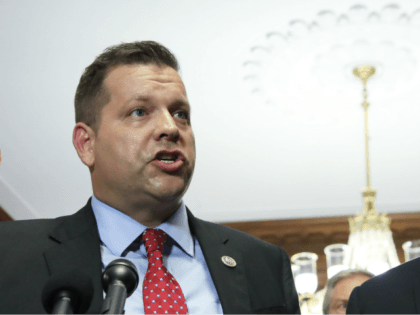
pixel 230 283
pixel 78 246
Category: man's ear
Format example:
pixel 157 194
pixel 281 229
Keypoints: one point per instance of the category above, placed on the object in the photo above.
pixel 83 141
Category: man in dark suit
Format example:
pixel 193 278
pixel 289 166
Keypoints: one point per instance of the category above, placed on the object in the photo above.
pixel 133 131
pixel 396 291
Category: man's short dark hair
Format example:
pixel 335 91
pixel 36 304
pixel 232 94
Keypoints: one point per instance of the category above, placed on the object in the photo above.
pixel 334 280
pixel 91 94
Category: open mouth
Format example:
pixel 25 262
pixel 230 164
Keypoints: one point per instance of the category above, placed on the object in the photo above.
pixel 168 156
pixel 169 160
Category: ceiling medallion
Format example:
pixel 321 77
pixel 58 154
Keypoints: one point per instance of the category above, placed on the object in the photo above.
pixel 315 59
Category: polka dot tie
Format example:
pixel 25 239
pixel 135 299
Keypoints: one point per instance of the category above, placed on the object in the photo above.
pixel 161 292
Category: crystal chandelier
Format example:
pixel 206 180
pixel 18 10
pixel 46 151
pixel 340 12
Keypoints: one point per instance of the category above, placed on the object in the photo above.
pixel 321 58
pixel 371 246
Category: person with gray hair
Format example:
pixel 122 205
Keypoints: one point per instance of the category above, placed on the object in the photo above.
pixel 339 288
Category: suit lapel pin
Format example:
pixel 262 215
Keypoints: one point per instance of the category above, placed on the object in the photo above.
pixel 229 261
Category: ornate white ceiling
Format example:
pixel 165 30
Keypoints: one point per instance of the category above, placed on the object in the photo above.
pixel 276 109
pixel 315 58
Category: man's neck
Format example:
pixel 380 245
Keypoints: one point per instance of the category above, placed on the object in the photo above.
pixel 150 214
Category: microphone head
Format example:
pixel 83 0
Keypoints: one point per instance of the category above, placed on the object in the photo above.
pixel 75 281
pixel 122 271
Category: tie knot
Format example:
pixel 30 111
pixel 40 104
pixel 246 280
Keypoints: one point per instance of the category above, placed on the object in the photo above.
pixel 154 240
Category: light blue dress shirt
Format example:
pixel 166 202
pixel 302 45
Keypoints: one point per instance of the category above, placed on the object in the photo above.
pixel 182 256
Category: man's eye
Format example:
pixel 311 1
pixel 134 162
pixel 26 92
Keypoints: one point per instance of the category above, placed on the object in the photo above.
pixel 138 112
pixel 182 115
pixel 343 305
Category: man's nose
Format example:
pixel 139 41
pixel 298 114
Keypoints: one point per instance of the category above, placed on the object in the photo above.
pixel 166 128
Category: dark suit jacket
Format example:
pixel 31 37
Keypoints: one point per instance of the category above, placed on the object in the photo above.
pixel 33 250
pixel 396 291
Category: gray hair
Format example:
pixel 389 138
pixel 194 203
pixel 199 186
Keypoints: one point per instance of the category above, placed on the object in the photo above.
pixel 333 282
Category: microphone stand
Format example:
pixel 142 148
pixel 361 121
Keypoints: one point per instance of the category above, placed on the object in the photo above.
pixel 115 299
pixel 63 302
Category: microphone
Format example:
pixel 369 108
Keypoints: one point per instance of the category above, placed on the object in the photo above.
pixel 68 293
pixel 119 280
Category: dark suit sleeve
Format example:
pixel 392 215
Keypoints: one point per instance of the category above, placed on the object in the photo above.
pixel 353 306
pixel 289 289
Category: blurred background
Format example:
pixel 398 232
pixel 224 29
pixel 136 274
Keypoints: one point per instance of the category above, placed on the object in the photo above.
pixel 276 108
pixel 276 112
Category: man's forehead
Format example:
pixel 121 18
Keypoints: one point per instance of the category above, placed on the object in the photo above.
pixel 137 73
pixel 354 278
pixel 144 82
pixel 344 287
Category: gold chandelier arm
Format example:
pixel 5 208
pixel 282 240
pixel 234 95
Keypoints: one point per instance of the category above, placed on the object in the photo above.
pixel 365 106
pixel 364 73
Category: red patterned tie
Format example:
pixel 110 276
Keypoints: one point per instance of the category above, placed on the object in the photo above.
pixel 161 292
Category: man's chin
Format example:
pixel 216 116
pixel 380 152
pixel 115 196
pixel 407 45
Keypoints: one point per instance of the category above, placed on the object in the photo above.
pixel 169 194
pixel 168 188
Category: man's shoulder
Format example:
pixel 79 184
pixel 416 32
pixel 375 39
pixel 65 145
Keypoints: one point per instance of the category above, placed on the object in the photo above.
pixel 406 273
pixel 388 293
pixel 399 281
pixel 28 227
pixel 22 240
pixel 26 237
pixel 42 227
pixel 232 232
pixel 251 242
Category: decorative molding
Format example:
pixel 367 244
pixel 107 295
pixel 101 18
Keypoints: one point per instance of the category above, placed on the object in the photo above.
pixel 314 234
pixel 318 55
pixel 4 216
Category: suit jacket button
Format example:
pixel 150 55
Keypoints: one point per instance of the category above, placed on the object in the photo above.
pixel 229 261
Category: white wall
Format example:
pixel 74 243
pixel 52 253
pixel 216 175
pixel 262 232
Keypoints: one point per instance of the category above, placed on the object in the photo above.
pixel 253 161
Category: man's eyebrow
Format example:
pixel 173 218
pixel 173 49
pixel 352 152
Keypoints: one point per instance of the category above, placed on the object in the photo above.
pixel 181 102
